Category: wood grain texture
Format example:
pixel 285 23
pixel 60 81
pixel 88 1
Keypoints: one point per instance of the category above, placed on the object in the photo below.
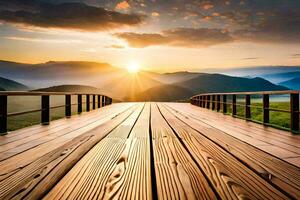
pixel 274 170
pixel 177 175
pixel 231 178
pixel 269 135
pixel 118 167
pixel 34 176
pixel 37 129
pixel 26 135
pixel 150 151
pixel 17 162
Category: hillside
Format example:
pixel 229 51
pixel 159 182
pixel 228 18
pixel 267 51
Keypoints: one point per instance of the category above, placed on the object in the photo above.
pixel 255 71
pixel 281 77
pixel 293 84
pixel 119 84
pixel 59 73
pixel 175 77
pixel 202 84
pixel 70 88
pixel 222 83
pixel 10 85
pixel 164 93
pixel 130 85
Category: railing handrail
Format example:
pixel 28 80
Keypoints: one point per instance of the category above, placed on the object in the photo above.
pixel 213 101
pixel 102 100
pixel 40 93
pixel 245 93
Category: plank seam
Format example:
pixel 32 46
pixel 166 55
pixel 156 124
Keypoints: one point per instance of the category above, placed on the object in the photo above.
pixel 244 163
pixel 153 176
pixel 50 188
pixel 185 147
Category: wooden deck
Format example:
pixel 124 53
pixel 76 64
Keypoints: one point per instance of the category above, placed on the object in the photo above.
pixel 194 153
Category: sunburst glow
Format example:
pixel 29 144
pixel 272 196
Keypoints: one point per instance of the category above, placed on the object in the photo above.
pixel 133 67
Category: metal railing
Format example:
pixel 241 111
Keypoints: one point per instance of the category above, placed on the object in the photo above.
pixel 101 101
pixel 213 101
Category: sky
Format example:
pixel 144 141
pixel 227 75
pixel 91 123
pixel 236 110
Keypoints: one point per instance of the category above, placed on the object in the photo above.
pixel 160 35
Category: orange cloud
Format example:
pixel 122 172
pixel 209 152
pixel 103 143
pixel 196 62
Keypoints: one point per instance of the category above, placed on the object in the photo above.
pixel 155 14
pixel 180 37
pixel 115 46
pixel 124 5
pixel 207 6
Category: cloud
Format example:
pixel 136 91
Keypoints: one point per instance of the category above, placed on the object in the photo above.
pixel 155 14
pixel 26 39
pixel 296 55
pixel 207 6
pixel 250 58
pixel 124 5
pixel 77 16
pixel 89 50
pixel 141 40
pixel 279 27
pixel 181 37
pixel 115 46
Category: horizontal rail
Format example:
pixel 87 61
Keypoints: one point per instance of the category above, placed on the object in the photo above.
pixel 213 100
pixel 22 113
pixel 252 93
pixel 38 110
pixel 101 101
pixel 36 93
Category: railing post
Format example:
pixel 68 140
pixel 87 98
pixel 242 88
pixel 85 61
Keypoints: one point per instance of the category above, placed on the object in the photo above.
pixel 208 101
pixel 98 101
pixel 247 106
pixel 213 105
pixel 68 105
pixel 200 101
pixel 103 101
pixel 233 105
pixel 266 111
pixel 3 114
pixel 45 114
pixel 87 102
pixel 224 103
pixel 79 103
pixel 218 103
pixel 294 101
pixel 94 102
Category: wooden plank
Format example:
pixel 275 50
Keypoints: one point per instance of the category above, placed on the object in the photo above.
pixel 280 134
pixel 36 129
pixel 117 167
pixel 177 175
pixel 281 174
pixel 243 130
pixel 295 160
pixel 223 170
pixel 35 179
pixel 46 136
pixel 17 162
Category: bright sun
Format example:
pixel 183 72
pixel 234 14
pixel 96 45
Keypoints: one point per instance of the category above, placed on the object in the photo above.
pixel 133 67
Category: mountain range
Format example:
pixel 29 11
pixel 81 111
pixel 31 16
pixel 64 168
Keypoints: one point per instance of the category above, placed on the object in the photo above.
pixel 119 84
pixel 7 84
pixel 293 83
